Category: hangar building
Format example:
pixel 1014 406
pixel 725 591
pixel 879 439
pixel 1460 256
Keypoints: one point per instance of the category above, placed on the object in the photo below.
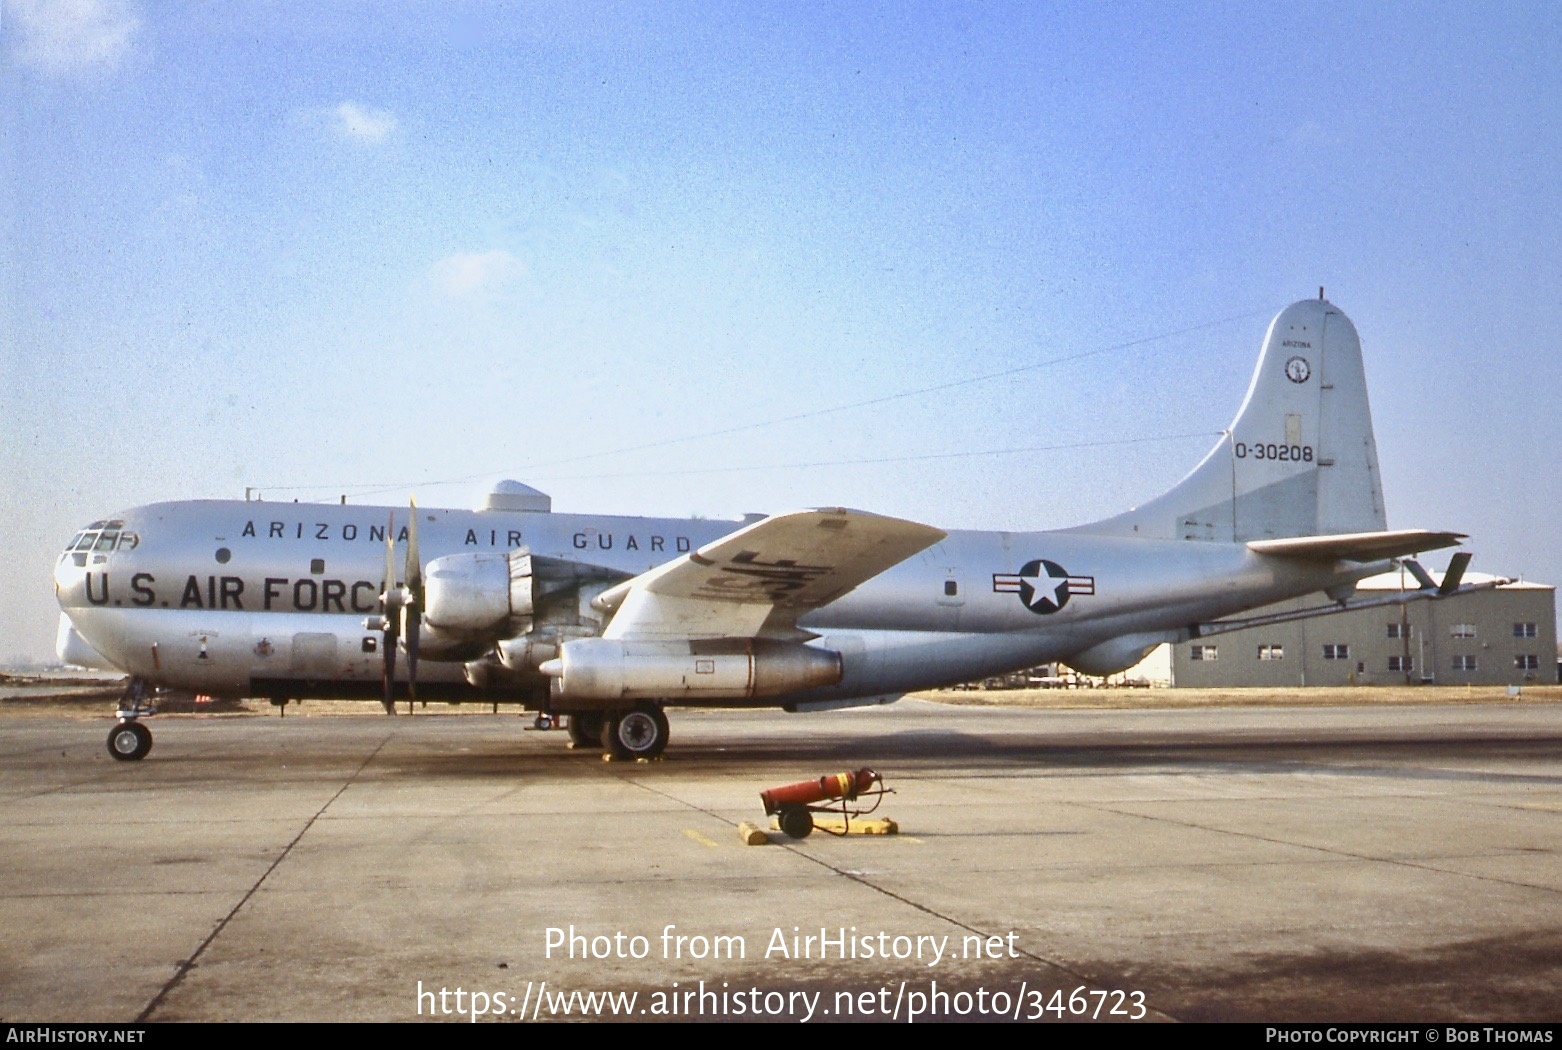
pixel 1503 636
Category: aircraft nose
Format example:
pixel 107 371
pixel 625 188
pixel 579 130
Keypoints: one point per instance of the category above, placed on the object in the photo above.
pixel 89 548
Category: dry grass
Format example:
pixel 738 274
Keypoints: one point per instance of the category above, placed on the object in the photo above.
pixel 1353 696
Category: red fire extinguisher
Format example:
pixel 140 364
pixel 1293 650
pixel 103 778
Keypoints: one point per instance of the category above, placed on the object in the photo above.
pixel 794 803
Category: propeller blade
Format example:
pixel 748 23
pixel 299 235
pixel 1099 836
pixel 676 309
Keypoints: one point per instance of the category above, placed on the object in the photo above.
pixel 413 619
pixel 414 563
pixel 392 619
pixel 413 607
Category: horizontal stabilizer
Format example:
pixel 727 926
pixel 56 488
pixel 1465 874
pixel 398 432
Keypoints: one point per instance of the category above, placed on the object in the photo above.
pixel 1358 546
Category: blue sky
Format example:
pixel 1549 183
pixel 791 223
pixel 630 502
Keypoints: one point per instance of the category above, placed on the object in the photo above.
pixel 381 249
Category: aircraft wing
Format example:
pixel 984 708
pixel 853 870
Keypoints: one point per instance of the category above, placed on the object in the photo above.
pixel 759 580
pixel 1358 546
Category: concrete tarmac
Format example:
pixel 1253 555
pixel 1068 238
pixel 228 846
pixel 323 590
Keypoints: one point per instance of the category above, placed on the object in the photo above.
pixel 1250 864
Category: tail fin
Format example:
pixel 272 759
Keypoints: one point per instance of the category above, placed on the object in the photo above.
pixel 1299 460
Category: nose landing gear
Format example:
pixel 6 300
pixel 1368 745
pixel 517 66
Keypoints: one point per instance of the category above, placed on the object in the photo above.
pixel 129 740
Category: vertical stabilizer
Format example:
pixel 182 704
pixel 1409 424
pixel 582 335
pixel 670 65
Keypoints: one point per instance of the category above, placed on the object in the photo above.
pixel 1299 460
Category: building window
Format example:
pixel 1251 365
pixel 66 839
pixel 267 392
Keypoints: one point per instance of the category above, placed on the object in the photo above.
pixel 1523 630
pixel 1462 630
pixel 1271 652
pixel 1399 630
pixel 1464 663
pixel 1205 652
pixel 1336 652
pixel 1526 662
pixel 1401 663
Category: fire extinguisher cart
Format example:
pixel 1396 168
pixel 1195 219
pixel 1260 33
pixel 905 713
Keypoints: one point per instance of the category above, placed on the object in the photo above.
pixel 848 794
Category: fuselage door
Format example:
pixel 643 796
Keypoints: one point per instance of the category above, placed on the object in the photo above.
pixel 314 655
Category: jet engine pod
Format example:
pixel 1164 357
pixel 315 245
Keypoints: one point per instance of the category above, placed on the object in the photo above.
pixel 728 668
pixel 478 594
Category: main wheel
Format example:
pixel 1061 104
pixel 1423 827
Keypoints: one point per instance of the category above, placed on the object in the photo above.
pixel 129 741
pixel 796 822
pixel 640 733
pixel 585 730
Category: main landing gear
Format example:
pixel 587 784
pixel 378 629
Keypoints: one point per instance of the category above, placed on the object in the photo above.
pixel 129 740
pixel 640 732
pixel 585 730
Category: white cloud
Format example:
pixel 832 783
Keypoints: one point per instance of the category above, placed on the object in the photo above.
pixel 466 274
pixel 72 36
pixel 362 123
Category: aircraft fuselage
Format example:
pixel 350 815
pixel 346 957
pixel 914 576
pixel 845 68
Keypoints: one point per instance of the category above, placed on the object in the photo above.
pixel 254 598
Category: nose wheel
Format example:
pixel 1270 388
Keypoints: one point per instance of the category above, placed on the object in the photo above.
pixel 129 741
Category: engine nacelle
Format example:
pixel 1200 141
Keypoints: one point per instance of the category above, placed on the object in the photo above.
pixel 478 595
pixel 722 669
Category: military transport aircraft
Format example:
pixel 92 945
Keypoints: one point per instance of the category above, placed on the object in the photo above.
pixel 607 619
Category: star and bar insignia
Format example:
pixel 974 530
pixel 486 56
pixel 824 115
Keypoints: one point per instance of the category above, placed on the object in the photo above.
pixel 1044 586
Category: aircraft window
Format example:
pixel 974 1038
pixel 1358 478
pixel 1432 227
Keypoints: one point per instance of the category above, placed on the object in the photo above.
pixel 951 588
pixel 128 541
pixel 84 541
pixel 75 540
pixel 106 541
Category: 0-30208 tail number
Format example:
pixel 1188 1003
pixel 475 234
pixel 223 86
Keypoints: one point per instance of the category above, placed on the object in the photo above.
pixel 1283 453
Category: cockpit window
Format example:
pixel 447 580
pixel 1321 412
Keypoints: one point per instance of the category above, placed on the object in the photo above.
pixel 102 537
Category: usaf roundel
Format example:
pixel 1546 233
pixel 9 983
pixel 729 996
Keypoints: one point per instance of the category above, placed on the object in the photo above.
pixel 1044 586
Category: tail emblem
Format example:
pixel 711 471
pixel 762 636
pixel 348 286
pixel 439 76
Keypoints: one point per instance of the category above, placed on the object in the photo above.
pixel 1297 370
pixel 1044 586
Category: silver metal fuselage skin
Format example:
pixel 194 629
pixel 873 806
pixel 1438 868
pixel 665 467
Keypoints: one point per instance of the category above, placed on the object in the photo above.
pixel 253 598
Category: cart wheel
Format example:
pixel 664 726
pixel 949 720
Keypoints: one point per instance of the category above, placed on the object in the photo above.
pixel 796 822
